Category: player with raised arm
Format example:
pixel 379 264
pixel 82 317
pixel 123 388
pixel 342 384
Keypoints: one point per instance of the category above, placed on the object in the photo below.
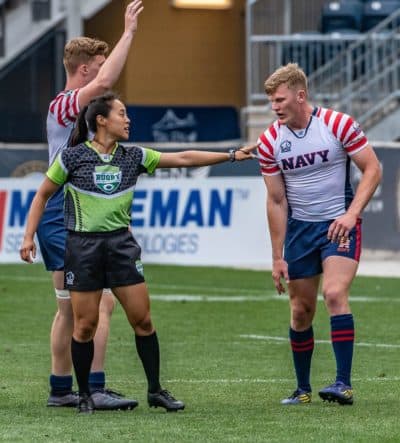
pixel 89 74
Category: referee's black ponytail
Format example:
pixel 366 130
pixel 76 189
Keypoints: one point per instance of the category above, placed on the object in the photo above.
pixel 80 132
pixel 87 117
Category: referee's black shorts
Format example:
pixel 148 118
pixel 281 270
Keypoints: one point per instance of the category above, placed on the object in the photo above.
pixel 102 260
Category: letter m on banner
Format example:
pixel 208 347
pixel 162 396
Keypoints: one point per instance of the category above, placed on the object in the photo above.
pixel 20 208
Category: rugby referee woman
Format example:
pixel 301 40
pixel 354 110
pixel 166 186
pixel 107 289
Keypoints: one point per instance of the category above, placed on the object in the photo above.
pixel 99 177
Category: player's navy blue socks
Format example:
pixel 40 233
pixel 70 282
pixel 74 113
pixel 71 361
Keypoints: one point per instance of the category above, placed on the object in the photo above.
pixel 82 357
pixel 60 384
pixel 97 380
pixel 342 336
pixel 302 344
pixel 149 352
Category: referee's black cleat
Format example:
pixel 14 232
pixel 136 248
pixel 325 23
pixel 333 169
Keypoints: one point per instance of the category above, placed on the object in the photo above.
pixel 164 399
pixel 85 405
pixel 108 400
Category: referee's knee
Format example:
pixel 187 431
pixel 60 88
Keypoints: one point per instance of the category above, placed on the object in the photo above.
pixel 143 326
pixel 84 329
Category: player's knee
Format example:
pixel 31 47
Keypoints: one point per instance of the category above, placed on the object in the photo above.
pixel 64 317
pixel 107 303
pixel 336 300
pixel 62 324
pixel 302 316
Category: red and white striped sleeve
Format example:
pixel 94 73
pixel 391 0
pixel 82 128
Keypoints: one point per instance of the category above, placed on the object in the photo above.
pixel 266 152
pixel 346 130
pixel 65 107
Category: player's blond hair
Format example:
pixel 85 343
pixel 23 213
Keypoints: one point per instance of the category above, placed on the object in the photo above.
pixel 291 75
pixel 81 50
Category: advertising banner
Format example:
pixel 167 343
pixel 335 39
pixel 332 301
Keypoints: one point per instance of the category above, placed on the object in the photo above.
pixel 381 217
pixel 16 196
pixel 182 124
pixel 218 221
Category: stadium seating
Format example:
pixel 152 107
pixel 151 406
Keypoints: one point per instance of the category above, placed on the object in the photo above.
pixel 307 53
pixel 376 11
pixel 342 16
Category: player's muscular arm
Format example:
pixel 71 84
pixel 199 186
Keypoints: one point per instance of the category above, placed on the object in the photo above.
pixel 277 211
pixel 368 164
pixel 112 67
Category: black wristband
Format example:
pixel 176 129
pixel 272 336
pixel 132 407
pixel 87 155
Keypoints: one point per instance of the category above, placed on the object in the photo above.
pixel 232 157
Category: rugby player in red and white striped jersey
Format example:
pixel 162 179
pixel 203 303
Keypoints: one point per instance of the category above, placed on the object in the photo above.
pixel 89 74
pixel 314 219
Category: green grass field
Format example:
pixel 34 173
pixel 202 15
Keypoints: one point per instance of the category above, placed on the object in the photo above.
pixel 224 352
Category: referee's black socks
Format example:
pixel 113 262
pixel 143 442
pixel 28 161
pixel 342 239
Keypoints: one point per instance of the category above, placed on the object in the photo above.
pixel 149 352
pixel 82 357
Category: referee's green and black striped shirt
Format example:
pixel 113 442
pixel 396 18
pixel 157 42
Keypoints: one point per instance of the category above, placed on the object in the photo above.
pixel 98 187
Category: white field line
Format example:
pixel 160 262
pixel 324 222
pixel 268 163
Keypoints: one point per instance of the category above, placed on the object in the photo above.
pixel 258 298
pixel 24 278
pixel 210 298
pixel 286 340
pixel 206 289
pixel 269 338
pixel 197 288
pixel 247 295
pixel 256 294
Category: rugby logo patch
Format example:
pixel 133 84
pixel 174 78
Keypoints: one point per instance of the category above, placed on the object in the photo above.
pixel 344 244
pixel 70 277
pixel 286 146
pixel 107 178
pixel 139 267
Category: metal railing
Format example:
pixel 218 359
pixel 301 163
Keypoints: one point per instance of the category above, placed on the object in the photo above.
pixel 266 19
pixel 364 79
pixel 356 73
pixel 268 52
pixel 283 16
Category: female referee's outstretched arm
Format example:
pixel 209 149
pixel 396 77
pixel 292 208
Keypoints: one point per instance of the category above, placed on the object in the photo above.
pixel 204 158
